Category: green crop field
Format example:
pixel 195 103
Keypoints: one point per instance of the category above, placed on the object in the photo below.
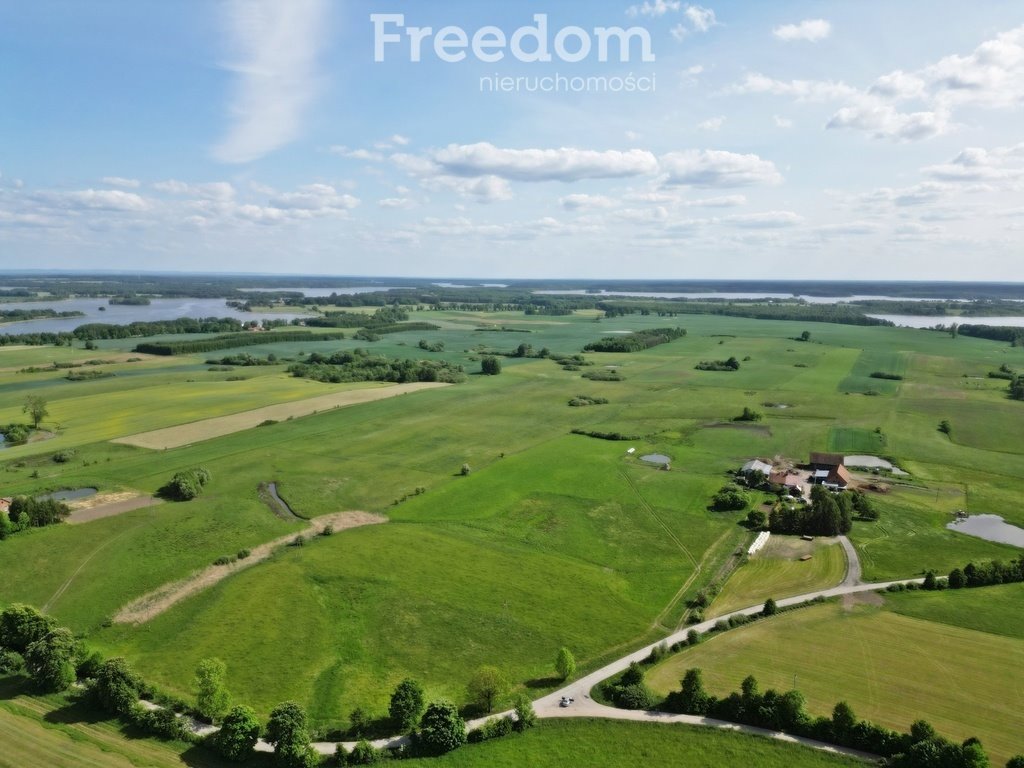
pixel 890 667
pixel 777 571
pixel 997 610
pixel 852 440
pixel 552 539
pixel 50 731
pixel 610 744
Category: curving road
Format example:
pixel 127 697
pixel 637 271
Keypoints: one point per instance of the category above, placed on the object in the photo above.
pixel 853 569
pixel 583 706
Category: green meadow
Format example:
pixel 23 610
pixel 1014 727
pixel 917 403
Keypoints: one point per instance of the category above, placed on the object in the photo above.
pixel 951 658
pixel 551 539
pixel 611 744
pixel 777 572
pixel 48 730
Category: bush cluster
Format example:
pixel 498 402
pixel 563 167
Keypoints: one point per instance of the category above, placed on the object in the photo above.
pixel 186 485
pixel 605 435
pixel 584 400
pixel 732 364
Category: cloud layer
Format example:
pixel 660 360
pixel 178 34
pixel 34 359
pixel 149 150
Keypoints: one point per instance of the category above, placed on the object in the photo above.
pixel 276 46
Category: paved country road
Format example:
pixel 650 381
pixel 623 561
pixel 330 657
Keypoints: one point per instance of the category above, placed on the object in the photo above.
pixel 853 569
pixel 583 706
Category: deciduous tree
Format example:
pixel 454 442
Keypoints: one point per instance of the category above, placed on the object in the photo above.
pixel 407 704
pixel 486 686
pixel 21 625
pixel 50 660
pixel 117 687
pixel 287 731
pixel 565 663
pixel 525 714
pixel 442 728
pixel 238 734
pixel 211 696
pixel 35 407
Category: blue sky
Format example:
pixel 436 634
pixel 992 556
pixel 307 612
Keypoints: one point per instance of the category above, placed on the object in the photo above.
pixel 811 139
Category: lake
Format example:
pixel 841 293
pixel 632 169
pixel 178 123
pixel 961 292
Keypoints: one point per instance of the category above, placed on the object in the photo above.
pixel 120 314
pixel 930 321
pixel 319 293
pixel 990 528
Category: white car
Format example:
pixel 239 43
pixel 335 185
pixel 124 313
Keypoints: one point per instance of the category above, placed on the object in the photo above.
pixel 566 701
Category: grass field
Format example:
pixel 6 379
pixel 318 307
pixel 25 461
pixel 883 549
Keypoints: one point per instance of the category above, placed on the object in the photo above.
pixel 372 607
pixel 610 744
pixel 552 539
pixel 852 440
pixel 48 731
pixel 39 731
pixel 207 429
pixel 891 668
pixel 911 536
pixel 996 611
pixel 777 571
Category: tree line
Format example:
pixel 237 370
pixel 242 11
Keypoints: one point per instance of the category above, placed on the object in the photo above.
pixel 16 315
pixel 359 365
pixel 636 341
pixel 228 341
pixel 755 309
pixel 1011 334
pixel 921 747
pixel 99 331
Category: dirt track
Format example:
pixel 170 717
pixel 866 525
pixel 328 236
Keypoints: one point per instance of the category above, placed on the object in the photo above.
pixel 108 505
pixel 197 431
pixel 156 602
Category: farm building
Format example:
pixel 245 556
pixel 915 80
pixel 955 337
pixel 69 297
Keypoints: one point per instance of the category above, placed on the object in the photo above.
pixel 826 460
pixel 827 469
pixel 756 465
pixel 786 479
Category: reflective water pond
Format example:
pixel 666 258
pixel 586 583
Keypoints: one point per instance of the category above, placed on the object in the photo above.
pixel 990 528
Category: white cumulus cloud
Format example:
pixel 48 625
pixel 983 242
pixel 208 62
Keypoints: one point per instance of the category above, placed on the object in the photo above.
pixel 564 164
pixel 718 168
pixel 120 181
pixel 657 8
pixel 810 30
pixel 976 164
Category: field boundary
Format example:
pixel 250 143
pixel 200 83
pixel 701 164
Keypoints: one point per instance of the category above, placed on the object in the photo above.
pixel 219 426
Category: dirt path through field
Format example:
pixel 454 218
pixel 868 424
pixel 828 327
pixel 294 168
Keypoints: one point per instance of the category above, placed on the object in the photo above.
pixel 156 602
pixel 197 431
pixel 48 605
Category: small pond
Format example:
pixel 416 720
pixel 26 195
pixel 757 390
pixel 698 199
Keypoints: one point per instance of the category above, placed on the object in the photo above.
pixel 656 458
pixel 990 528
pixel 71 495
